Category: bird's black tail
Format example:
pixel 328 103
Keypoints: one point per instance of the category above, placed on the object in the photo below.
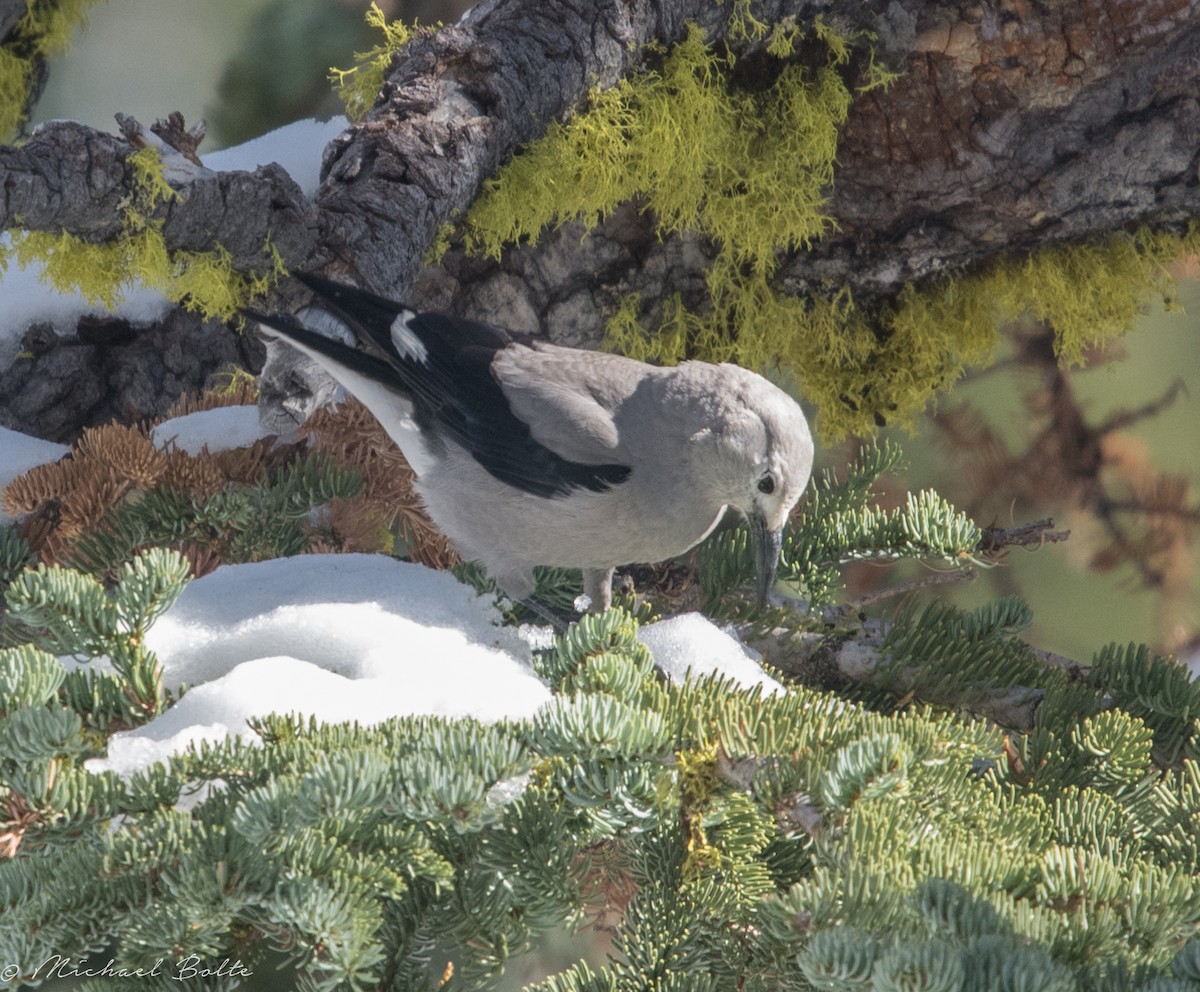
pixel 368 316
pixel 325 351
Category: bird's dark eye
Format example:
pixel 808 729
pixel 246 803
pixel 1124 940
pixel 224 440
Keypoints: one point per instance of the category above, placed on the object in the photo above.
pixel 766 484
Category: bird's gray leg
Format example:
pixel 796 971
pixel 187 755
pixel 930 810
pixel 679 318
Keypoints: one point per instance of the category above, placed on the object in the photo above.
pixel 597 586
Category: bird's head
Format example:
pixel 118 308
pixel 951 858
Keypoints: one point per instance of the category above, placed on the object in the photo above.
pixel 760 451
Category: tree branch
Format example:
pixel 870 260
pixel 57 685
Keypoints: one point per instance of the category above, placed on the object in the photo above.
pixel 1004 133
pixel 995 539
pixel 73 178
pixel 459 102
pixel 1075 132
pixel 1008 130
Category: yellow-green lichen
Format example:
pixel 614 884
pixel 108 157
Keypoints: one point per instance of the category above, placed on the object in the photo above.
pixel 440 245
pixel 14 92
pixel 860 369
pixel 876 75
pixel 838 44
pixel 679 333
pixel 785 35
pixel 1087 293
pixel 204 282
pixel 749 170
pixel 358 86
pixel 149 177
pixel 44 30
pixel 743 25
pixel 1091 292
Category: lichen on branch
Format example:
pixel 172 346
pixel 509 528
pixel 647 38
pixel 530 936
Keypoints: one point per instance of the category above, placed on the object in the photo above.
pixel 747 169
pixel 358 86
pixel 866 369
pixel 202 281
pixel 750 169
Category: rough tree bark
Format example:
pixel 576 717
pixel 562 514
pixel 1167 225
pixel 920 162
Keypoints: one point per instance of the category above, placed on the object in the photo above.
pixel 1014 125
pixel 11 11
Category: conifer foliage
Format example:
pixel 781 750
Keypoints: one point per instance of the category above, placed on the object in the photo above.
pixel 121 490
pixel 878 838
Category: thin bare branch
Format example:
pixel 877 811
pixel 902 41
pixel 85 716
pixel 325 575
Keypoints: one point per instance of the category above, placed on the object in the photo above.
pixel 1126 418
pixel 937 579
pixel 996 539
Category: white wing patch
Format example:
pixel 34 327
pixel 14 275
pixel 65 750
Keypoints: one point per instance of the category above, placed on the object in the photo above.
pixel 405 341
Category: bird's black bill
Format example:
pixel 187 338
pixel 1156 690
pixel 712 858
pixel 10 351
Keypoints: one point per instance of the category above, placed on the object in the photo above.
pixel 766 545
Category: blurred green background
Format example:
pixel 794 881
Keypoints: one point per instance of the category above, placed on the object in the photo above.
pixel 147 58
pixel 1077 608
pixel 250 65
pixel 245 66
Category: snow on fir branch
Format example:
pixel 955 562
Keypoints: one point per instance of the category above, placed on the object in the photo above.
pixel 838 827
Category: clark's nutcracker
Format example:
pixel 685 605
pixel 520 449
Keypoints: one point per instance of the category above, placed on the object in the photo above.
pixel 527 453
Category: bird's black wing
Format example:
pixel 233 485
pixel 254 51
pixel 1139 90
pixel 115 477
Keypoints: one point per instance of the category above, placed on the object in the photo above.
pixel 456 398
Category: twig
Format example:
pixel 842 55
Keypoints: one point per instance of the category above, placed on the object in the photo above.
pixel 940 578
pixel 1124 418
pixel 832 659
pixel 1074 669
pixel 997 538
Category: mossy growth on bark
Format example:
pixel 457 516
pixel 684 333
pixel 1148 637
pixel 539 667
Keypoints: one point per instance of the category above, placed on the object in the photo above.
pixel 751 171
pixel 201 281
pixel 358 86
pixel 865 368
pixel 747 169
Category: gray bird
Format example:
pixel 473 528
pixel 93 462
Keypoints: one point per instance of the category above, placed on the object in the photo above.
pixel 528 453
